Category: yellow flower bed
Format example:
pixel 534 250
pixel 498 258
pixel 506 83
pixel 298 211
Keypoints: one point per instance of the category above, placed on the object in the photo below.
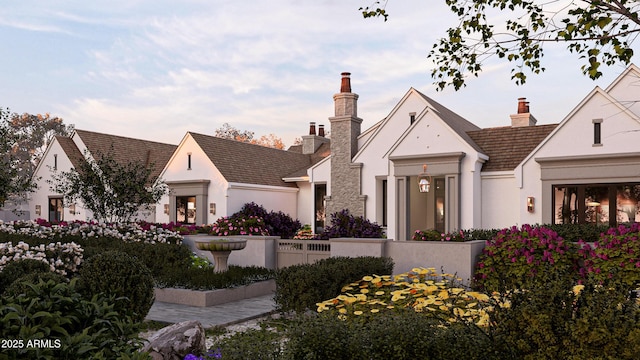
pixel 421 289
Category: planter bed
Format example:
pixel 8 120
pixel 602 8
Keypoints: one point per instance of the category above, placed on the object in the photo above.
pixel 204 298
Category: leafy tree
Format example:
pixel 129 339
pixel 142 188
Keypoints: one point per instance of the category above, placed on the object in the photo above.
pixel 598 31
pixel 114 192
pixel 11 182
pixel 33 133
pixel 227 131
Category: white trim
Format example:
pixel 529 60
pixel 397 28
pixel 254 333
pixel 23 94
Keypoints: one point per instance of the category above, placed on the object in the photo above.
pixel 243 186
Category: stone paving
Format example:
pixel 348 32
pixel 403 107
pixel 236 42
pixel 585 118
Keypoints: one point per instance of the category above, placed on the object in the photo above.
pixel 219 315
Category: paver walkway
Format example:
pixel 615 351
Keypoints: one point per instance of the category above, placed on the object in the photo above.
pixel 219 315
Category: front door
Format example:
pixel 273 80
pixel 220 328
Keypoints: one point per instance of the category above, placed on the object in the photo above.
pixel 186 209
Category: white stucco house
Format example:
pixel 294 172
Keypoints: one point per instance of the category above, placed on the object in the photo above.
pixel 583 169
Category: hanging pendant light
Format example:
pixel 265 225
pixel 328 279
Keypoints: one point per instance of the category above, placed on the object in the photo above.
pixel 424 180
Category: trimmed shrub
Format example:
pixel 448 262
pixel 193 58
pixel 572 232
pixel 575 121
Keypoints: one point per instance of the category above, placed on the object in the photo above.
pixel 77 328
pixel 121 275
pixel 205 279
pixel 17 269
pixel 343 224
pixel 577 232
pixel 401 335
pixel 457 236
pixel 523 258
pixel 300 287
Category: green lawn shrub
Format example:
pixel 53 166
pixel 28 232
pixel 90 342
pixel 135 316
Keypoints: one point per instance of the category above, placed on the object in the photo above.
pixel 16 269
pixel 523 258
pixel 119 274
pixel 300 287
pixel 76 327
pixel 205 279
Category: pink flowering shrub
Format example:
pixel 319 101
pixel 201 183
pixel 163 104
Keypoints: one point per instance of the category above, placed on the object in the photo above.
pixel 524 258
pixel 615 255
pixel 227 226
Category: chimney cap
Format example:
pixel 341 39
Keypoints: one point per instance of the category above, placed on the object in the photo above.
pixel 345 86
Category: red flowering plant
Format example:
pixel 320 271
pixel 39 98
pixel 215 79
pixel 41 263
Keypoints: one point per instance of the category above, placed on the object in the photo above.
pixel 615 255
pixel 523 258
pixel 251 225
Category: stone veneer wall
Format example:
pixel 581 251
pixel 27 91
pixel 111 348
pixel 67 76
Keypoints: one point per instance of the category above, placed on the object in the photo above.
pixel 346 176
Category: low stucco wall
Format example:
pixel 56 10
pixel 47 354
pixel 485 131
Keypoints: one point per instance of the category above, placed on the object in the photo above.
pixel 457 258
pixel 214 297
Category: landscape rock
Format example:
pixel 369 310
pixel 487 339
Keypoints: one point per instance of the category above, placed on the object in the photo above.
pixel 176 341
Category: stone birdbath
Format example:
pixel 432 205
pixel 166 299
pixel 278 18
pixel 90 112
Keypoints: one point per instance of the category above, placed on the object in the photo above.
pixel 220 249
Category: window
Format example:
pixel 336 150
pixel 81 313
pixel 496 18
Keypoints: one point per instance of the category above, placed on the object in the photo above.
pixel 596 203
pixel 55 161
pixel 56 210
pixel 412 117
pixel 597 132
pixel 320 206
pixel 188 161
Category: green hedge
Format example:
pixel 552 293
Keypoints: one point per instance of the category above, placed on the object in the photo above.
pixel 205 279
pixel 300 287
pixel 119 274
pixel 402 335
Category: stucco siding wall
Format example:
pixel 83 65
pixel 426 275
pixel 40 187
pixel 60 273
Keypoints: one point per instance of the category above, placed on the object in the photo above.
pixel 499 201
pixel 305 200
pixel 201 169
pixel 271 198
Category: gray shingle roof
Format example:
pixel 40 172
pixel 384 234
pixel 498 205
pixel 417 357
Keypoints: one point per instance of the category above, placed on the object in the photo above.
pixel 252 164
pixel 124 149
pixel 508 146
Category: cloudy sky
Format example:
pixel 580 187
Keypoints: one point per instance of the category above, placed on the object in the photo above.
pixel 155 69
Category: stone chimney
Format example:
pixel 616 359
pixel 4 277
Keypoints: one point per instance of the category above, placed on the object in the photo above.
pixel 311 142
pixel 523 117
pixel 345 175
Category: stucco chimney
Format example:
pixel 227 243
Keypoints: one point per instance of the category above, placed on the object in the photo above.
pixel 311 142
pixel 523 117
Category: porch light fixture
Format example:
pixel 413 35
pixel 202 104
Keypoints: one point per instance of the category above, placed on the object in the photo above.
pixel 166 209
pixel 424 180
pixel 212 208
pixel 72 209
pixel 38 210
pixel 530 204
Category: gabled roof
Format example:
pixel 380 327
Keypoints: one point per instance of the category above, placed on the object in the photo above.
pixel 125 149
pixel 71 150
pixel 456 122
pixel 246 163
pixel 508 146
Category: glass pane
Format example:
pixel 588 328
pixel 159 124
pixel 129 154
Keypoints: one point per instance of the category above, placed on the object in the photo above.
pixel 596 199
pixel 566 205
pixel 627 199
